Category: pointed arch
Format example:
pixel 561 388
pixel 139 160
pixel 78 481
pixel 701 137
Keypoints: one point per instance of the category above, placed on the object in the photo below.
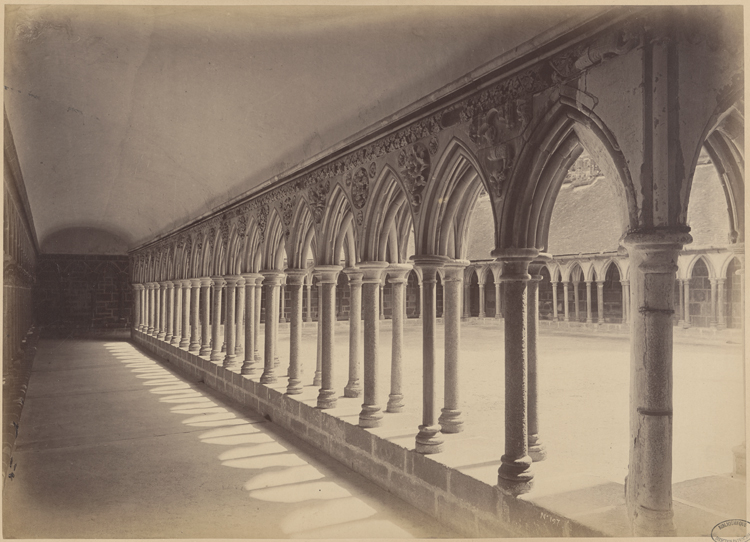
pixel 450 197
pixel 387 202
pixel 555 143
pixel 301 234
pixel 274 241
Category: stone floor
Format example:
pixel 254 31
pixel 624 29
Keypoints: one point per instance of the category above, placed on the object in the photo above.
pixel 583 405
pixel 113 444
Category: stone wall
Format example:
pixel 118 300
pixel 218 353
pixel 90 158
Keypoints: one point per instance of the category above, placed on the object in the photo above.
pixel 83 292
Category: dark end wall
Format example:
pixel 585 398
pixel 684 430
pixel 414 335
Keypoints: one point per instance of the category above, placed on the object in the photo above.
pixel 83 291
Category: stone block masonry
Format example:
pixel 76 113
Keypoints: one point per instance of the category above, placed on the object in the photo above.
pixel 472 507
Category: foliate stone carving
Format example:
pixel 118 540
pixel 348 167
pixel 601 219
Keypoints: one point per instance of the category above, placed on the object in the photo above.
pixel 360 218
pixel 318 194
pixel 262 219
pixel 434 145
pixel 224 230
pixel 415 170
pixel 359 182
pixel 242 224
pixel 373 170
pixel 496 134
pixel 287 210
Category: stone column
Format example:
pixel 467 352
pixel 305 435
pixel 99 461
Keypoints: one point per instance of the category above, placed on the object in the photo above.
pixel 575 300
pixel 382 287
pixel 467 298
pixel 371 416
pixel 205 309
pixel 230 318
pixel 451 420
pixel 271 280
pixel 626 301
pixel 397 274
pixel 176 313
pixel 161 307
pixel 555 316
pixel 186 311
pixel 195 318
pixel 687 303
pixel 169 306
pixel 682 303
pixel 144 309
pixel 498 301
pixel 721 308
pixel 256 323
pixel 239 338
pixel 318 376
pixel 712 319
pixel 589 318
pixel 308 288
pixel 428 440
pixel 282 310
pixel 295 279
pixel 653 263
pixel 250 365
pixel 328 274
pixel 515 474
pixel 354 386
pixel 537 451
pixel 481 299
pixel 216 340
pixel 421 299
pixel 565 301
pixel 600 300
pixel 137 288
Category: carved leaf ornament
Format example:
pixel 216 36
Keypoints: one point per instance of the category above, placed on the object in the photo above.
pixel 415 170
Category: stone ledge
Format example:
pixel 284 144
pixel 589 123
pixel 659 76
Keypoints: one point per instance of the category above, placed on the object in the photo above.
pixel 473 507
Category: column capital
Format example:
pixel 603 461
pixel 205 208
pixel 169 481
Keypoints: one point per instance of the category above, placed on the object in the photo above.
pixel 185 283
pixel 660 248
pixel 218 281
pixel 372 271
pixel 508 255
pixel 295 277
pixel 195 283
pixel 251 277
pixel 721 280
pixel 535 267
pixel 206 281
pixel 354 274
pixel 454 270
pixel 168 284
pixel 625 282
pixel 271 277
pixel 137 286
pixel 233 280
pixel 398 272
pixel 429 264
pixel 328 273
pixel 713 280
pixel 162 284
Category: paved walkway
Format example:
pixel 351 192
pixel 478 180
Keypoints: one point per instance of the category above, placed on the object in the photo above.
pixel 114 445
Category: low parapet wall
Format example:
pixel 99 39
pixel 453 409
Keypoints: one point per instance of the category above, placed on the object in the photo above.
pixel 473 507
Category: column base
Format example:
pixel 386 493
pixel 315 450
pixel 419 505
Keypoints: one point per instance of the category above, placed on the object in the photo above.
pixel 395 403
pixel 428 440
pixel 160 336
pixel 168 337
pixel 194 347
pixel 276 362
pixel 268 377
pixel 353 389
pixel 249 368
pixel 175 340
pixel 326 398
pixel 205 351
pixel 537 451
pixel 256 355
pixel 515 475
pixel 450 421
pixel 230 360
pixel 318 379
pixel 294 387
pixel 653 522
pixel 216 355
pixel 370 416
pixel 282 320
pixel 184 343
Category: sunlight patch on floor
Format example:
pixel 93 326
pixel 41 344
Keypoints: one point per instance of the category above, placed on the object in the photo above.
pixel 291 475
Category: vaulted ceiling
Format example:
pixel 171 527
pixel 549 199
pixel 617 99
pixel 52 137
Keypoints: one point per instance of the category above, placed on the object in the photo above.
pixel 132 121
